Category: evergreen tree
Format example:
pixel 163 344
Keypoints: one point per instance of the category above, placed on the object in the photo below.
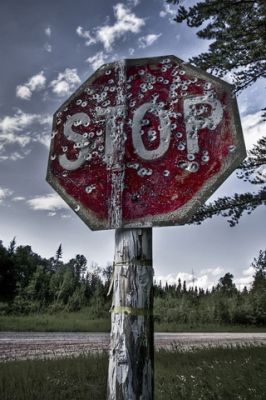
pixel 226 285
pixel 12 246
pixel 8 276
pixel 59 254
pixel 252 170
pixel 179 287
pixel 259 264
pixel 258 289
pixel 242 53
pixel 237 31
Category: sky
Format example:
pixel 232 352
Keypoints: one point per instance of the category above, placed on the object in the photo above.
pixel 47 50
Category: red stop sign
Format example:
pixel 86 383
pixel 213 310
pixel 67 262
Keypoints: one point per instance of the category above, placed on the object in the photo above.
pixel 144 143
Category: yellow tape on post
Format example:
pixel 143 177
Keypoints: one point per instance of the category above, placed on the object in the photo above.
pixel 130 311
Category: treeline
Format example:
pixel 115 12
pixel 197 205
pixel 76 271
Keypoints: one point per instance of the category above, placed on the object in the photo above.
pixel 30 283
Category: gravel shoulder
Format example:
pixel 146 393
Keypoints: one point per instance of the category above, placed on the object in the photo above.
pixel 32 345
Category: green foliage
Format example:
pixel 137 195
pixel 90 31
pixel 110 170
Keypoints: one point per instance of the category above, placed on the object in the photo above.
pixel 56 321
pixel 37 287
pixel 233 49
pixel 7 275
pixel 225 305
pixel 238 47
pixel 32 284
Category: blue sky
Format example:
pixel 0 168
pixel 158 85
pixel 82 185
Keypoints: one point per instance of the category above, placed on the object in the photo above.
pixel 49 49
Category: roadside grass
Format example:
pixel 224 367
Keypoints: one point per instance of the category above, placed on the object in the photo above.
pixel 176 327
pixel 59 379
pixel 56 322
pixel 83 322
pixel 237 373
pixel 213 373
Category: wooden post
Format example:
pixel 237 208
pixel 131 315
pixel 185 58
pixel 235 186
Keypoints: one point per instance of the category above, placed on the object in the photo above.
pixel 131 360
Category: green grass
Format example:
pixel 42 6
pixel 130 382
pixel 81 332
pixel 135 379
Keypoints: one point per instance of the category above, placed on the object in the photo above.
pixel 82 322
pixel 176 327
pixel 58 322
pixel 209 374
pixel 62 379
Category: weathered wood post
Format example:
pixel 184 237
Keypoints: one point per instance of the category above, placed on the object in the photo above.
pixel 131 360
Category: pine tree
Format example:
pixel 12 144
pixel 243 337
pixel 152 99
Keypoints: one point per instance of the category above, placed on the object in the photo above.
pixel 252 170
pixel 237 31
pixel 259 264
pixel 12 246
pixel 59 253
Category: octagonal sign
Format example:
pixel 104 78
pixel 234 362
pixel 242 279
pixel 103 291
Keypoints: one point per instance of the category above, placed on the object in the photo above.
pixel 144 143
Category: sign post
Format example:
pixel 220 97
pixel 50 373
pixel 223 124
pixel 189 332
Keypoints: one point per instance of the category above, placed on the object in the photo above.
pixel 130 373
pixel 142 143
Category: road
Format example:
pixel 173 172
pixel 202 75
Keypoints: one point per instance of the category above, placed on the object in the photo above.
pixel 31 345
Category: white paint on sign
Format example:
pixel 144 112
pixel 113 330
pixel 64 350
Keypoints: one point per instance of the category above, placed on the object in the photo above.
pixel 165 132
pixel 79 140
pixel 195 111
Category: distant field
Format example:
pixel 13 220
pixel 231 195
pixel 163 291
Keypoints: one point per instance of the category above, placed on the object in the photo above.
pixel 81 322
pixel 220 374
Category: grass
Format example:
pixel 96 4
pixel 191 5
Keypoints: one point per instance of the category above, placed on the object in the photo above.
pixel 209 374
pixel 176 327
pixel 82 322
pixel 58 322
pixel 214 373
pixel 61 379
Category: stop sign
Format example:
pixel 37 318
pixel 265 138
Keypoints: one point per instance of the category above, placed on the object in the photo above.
pixel 144 143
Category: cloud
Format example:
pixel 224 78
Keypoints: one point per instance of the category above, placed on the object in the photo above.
pixel 246 279
pixel 168 11
pixel 10 126
pixel 65 216
pixel 125 21
pixel 48 31
pixel 253 127
pixel 18 198
pixel 66 82
pixel 131 51
pixel 85 35
pixel 148 40
pixel 4 193
pixel 48 202
pixel 133 3
pixel 23 92
pixel 206 278
pixel 172 279
pixel 97 60
pixel 17 130
pixel 35 83
pixel 48 47
pixel 213 271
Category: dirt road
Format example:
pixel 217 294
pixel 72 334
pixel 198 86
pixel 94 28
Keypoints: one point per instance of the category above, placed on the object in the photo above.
pixel 30 345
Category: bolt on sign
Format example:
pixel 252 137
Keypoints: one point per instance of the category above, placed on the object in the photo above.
pixel 144 143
